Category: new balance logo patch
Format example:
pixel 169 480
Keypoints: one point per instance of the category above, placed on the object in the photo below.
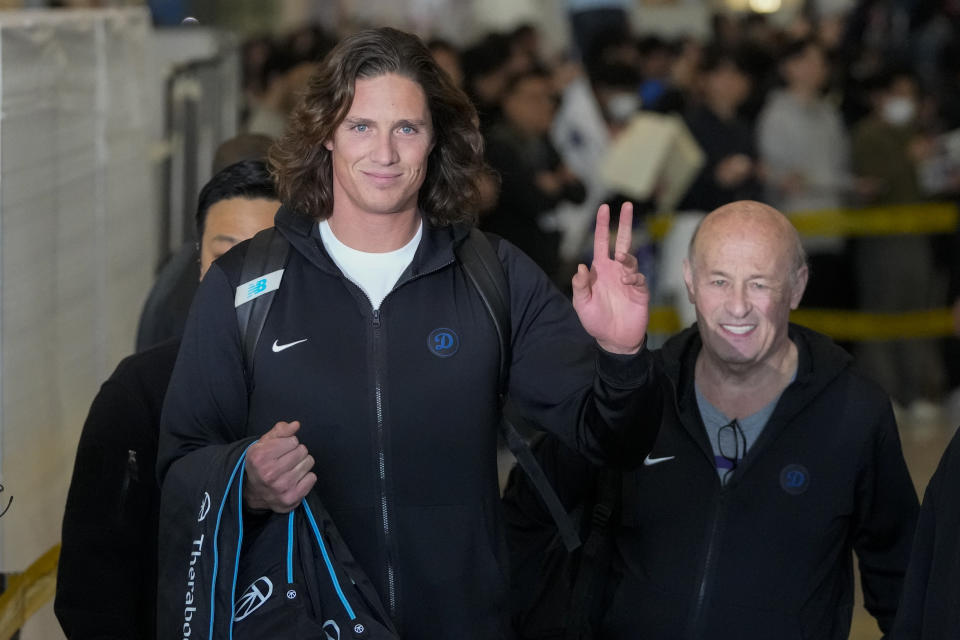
pixel 257 287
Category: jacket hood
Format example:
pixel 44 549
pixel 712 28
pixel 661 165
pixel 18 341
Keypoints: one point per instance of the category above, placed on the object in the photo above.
pixel 436 248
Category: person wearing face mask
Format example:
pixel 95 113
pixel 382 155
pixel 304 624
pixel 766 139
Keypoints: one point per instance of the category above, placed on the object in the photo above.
pixel 896 272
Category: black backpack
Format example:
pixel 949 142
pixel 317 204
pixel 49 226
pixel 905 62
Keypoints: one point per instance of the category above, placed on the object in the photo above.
pixel 557 594
pixel 564 600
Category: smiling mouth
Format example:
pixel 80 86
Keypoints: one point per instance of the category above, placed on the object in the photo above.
pixel 738 329
pixel 382 177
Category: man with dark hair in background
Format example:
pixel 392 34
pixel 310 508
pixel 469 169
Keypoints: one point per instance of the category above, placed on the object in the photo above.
pixel 110 522
pixel 375 383
pixel 164 312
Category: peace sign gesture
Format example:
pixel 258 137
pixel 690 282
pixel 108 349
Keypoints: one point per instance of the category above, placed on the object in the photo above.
pixel 611 297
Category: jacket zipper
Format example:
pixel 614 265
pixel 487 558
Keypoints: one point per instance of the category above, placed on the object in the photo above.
pixel 132 472
pixel 393 599
pixel 382 469
pixel 707 573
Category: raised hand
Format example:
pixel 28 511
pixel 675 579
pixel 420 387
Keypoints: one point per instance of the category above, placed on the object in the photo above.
pixel 612 297
pixel 278 470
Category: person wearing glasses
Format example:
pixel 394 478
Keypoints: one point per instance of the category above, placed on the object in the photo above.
pixel 774 461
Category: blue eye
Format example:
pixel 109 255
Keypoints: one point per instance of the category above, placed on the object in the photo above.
pixel 407 130
pixel 360 128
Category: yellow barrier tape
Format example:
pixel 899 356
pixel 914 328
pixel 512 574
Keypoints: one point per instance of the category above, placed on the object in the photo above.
pixel 921 218
pixel 843 325
pixel 840 325
pixel 27 592
pixel 664 320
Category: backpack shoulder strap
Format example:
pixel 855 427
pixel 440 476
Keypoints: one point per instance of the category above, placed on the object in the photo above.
pixel 482 265
pixel 485 271
pixel 260 278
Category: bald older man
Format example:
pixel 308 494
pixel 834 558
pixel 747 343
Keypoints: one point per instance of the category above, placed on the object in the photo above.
pixel 774 461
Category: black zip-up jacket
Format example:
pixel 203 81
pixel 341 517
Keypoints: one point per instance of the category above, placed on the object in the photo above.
pixel 399 407
pixel 768 555
pixel 110 521
pixel 930 607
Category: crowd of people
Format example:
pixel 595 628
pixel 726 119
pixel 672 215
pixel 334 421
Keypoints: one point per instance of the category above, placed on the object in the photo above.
pixel 821 114
pixel 752 459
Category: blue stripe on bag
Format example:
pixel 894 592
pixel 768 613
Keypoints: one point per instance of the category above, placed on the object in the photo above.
pixel 290 548
pixel 216 535
pixel 326 559
pixel 236 563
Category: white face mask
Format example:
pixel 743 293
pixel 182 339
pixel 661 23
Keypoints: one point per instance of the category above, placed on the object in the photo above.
pixel 899 111
pixel 622 106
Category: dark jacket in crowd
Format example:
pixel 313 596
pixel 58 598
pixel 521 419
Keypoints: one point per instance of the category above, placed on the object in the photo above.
pixel 768 554
pixel 930 607
pixel 110 525
pixel 399 407
pixel 719 139
pixel 518 214
pixel 164 313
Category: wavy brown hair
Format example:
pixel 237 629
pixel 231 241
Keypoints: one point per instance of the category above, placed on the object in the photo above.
pixel 303 167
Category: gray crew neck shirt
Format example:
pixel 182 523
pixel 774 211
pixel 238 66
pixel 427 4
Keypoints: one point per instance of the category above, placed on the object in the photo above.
pixel 750 426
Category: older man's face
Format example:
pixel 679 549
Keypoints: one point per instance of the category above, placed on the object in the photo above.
pixel 743 282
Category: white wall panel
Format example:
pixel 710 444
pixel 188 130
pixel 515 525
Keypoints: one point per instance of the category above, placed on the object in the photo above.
pixel 77 247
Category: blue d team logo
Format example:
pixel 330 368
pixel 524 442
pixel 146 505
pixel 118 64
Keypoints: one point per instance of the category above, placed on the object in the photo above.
pixel 258 286
pixel 795 479
pixel 443 343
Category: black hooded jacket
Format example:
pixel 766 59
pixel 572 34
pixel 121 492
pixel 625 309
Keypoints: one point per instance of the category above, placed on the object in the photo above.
pixel 403 426
pixel 768 555
pixel 930 607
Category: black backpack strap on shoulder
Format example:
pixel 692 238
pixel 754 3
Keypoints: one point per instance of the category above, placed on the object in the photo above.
pixel 566 528
pixel 483 268
pixel 259 279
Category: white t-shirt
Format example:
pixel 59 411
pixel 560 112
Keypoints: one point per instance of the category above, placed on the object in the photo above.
pixel 375 273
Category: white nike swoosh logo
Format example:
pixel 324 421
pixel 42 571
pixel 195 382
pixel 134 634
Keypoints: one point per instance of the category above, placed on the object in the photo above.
pixel 277 348
pixel 648 461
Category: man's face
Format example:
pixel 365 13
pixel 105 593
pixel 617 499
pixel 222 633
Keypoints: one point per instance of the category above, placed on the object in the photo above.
pixel 727 84
pixel 232 221
pixel 380 150
pixel 808 70
pixel 740 283
pixel 531 105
